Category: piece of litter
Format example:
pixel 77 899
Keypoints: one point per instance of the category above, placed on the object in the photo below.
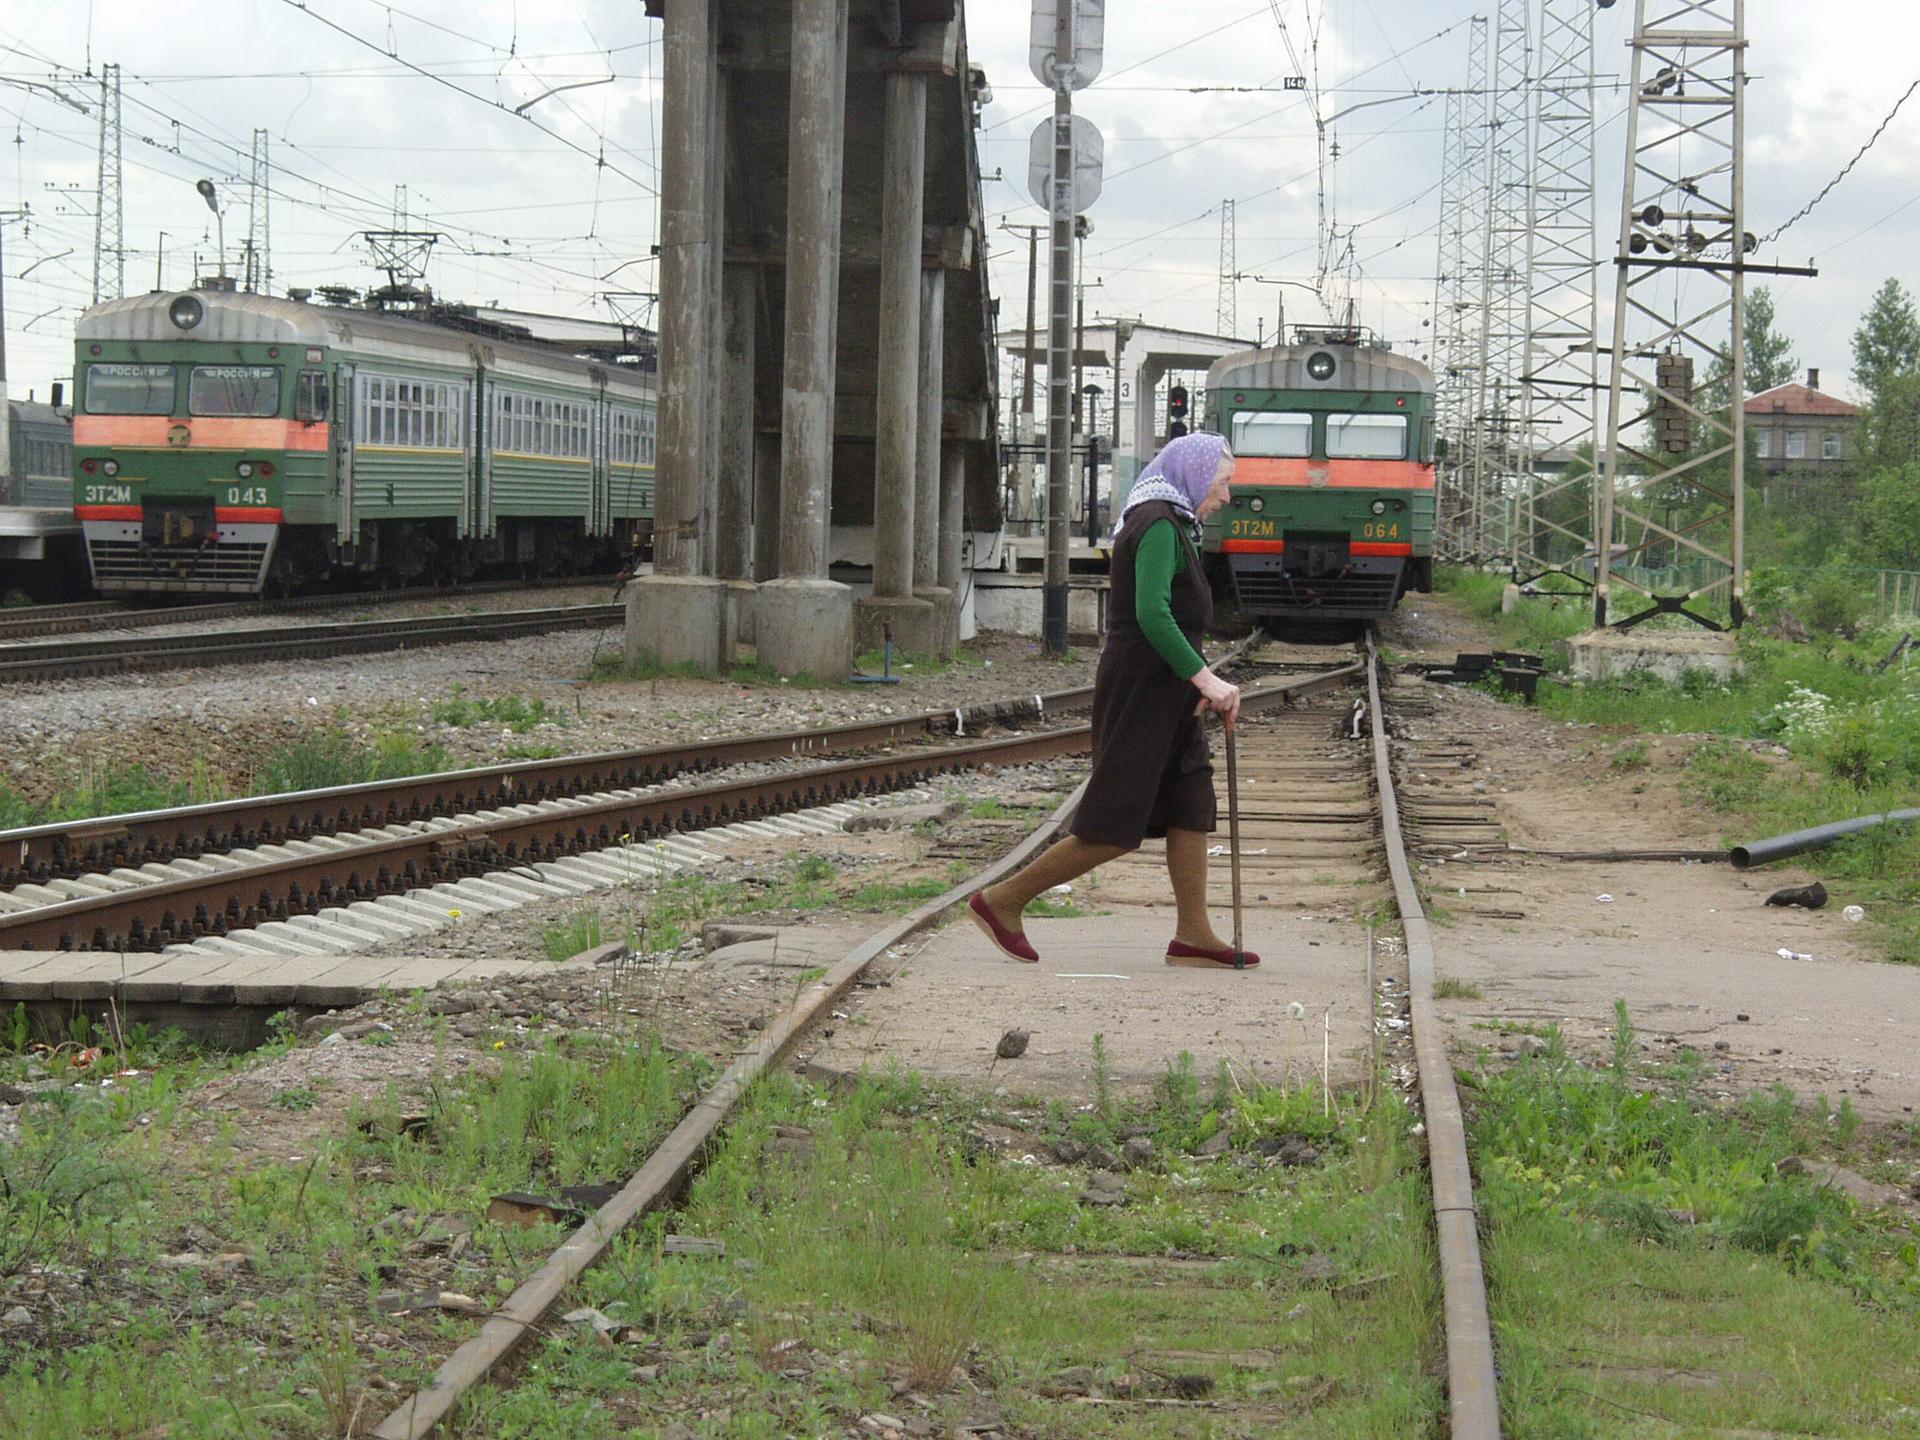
pixel 1604 899
pixel 1854 914
pixel 1786 954
pixel 1216 850
pixel 1091 976
pixel 1060 890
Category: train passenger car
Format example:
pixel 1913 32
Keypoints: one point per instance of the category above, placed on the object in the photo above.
pixel 246 444
pixel 39 538
pixel 1333 479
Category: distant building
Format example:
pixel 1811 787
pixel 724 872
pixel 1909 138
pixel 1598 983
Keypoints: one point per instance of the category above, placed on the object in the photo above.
pixel 1797 430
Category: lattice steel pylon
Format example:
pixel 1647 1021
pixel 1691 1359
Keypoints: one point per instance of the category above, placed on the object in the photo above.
pixel 1673 505
pixel 259 269
pixel 1555 523
pixel 109 217
pixel 1227 310
pixel 1456 307
pixel 1500 455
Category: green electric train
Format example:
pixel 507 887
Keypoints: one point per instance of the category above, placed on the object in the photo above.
pixel 1333 479
pixel 246 444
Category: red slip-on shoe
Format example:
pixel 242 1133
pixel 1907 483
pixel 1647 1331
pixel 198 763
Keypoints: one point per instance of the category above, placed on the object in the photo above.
pixel 1010 943
pixel 1181 953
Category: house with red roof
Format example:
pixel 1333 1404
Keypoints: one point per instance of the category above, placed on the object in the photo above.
pixel 1799 430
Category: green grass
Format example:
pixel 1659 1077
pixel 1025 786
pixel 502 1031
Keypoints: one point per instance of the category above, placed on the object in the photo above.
pixel 102 1182
pixel 1652 1274
pixel 515 713
pixel 564 939
pixel 1448 988
pixel 899 1253
pixel 1536 625
pixel 331 757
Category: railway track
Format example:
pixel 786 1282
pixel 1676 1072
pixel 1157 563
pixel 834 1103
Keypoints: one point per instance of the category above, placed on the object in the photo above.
pixel 1356 808
pixel 94 616
pixel 117 655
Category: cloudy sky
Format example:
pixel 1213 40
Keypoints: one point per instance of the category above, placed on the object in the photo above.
pixel 359 98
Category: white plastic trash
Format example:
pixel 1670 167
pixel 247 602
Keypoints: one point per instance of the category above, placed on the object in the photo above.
pixel 1853 914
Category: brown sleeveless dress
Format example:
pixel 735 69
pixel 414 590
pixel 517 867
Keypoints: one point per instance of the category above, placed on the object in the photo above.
pixel 1151 766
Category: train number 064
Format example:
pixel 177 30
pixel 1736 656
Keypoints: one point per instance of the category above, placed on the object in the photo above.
pixel 1381 530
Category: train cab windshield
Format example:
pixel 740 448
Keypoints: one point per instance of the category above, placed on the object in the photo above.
pixel 129 389
pixel 234 390
pixel 1366 437
pixel 1285 434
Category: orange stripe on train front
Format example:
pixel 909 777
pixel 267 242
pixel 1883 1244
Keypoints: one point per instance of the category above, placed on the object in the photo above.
pixel 1339 474
pixel 248 514
pixel 106 512
pixel 204 432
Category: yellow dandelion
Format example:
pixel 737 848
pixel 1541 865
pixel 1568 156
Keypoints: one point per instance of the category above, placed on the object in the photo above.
pixel 454 913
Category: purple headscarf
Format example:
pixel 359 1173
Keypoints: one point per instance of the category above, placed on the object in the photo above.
pixel 1181 474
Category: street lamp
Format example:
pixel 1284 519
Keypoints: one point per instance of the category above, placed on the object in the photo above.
pixel 212 197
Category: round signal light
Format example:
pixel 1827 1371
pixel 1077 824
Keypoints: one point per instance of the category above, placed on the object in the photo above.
pixel 244 469
pixel 90 466
pixel 1400 401
pixel 1379 507
pixel 266 467
pixel 112 467
pixel 186 312
pixel 1321 365
pixel 1257 504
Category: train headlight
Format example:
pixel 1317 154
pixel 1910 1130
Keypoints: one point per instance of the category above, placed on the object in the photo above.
pixel 1379 507
pixel 1257 504
pixel 1321 365
pixel 244 469
pixel 112 467
pixel 186 312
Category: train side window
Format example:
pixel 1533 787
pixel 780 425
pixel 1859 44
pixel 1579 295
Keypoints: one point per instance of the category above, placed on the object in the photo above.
pixel 1366 437
pixel 312 397
pixel 1285 434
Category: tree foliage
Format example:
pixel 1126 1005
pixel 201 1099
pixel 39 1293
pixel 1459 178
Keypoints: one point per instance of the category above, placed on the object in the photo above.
pixel 1890 517
pixel 1887 344
pixel 1770 357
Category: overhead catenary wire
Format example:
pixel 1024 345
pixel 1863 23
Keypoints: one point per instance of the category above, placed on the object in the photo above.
pixel 1845 169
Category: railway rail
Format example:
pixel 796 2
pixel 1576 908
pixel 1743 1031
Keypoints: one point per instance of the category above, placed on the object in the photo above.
pixel 115 655
pixel 1472 1400
pixel 93 616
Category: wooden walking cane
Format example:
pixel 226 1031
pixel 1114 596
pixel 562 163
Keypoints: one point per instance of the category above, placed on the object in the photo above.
pixel 1233 841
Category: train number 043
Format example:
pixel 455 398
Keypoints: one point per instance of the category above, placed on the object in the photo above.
pixel 1380 530
pixel 247 495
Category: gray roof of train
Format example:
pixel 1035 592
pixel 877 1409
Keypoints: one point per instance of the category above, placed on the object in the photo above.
pixel 1362 367
pixel 235 317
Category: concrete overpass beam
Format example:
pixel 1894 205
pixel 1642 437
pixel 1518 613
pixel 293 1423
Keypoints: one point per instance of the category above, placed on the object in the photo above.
pixel 897 391
pixel 677 614
pixel 805 621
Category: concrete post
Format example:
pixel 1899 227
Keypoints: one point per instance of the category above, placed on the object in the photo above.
pixel 806 621
pixel 766 506
pixel 953 522
pixel 715 281
pixel 929 584
pixel 1146 436
pixel 897 388
pixel 733 511
pixel 675 615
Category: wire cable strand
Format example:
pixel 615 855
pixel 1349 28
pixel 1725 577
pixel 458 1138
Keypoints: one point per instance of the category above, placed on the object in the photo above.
pixel 1827 189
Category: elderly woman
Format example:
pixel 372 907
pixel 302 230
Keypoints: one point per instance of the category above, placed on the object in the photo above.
pixel 1152 775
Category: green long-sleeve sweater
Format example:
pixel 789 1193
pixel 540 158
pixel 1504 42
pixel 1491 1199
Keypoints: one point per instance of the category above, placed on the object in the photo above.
pixel 1158 559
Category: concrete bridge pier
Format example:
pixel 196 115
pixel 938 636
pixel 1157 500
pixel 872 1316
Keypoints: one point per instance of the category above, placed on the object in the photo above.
pixel 894 604
pixel 929 583
pixel 805 622
pixel 677 614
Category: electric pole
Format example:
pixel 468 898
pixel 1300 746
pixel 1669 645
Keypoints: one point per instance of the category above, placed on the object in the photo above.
pixel 1556 523
pixel 1462 257
pixel 109 228
pixel 1679 298
pixel 259 267
pixel 1226 317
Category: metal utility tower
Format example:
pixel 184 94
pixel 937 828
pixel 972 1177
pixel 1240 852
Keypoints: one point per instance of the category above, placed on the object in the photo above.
pixel 1555 523
pixel 259 266
pixel 1673 495
pixel 1456 309
pixel 109 224
pixel 1500 459
pixel 1226 318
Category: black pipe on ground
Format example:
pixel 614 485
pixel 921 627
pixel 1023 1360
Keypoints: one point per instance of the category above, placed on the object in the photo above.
pixel 1765 852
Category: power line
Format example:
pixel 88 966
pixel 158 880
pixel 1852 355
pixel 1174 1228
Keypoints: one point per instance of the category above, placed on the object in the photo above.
pixel 599 158
pixel 1827 189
